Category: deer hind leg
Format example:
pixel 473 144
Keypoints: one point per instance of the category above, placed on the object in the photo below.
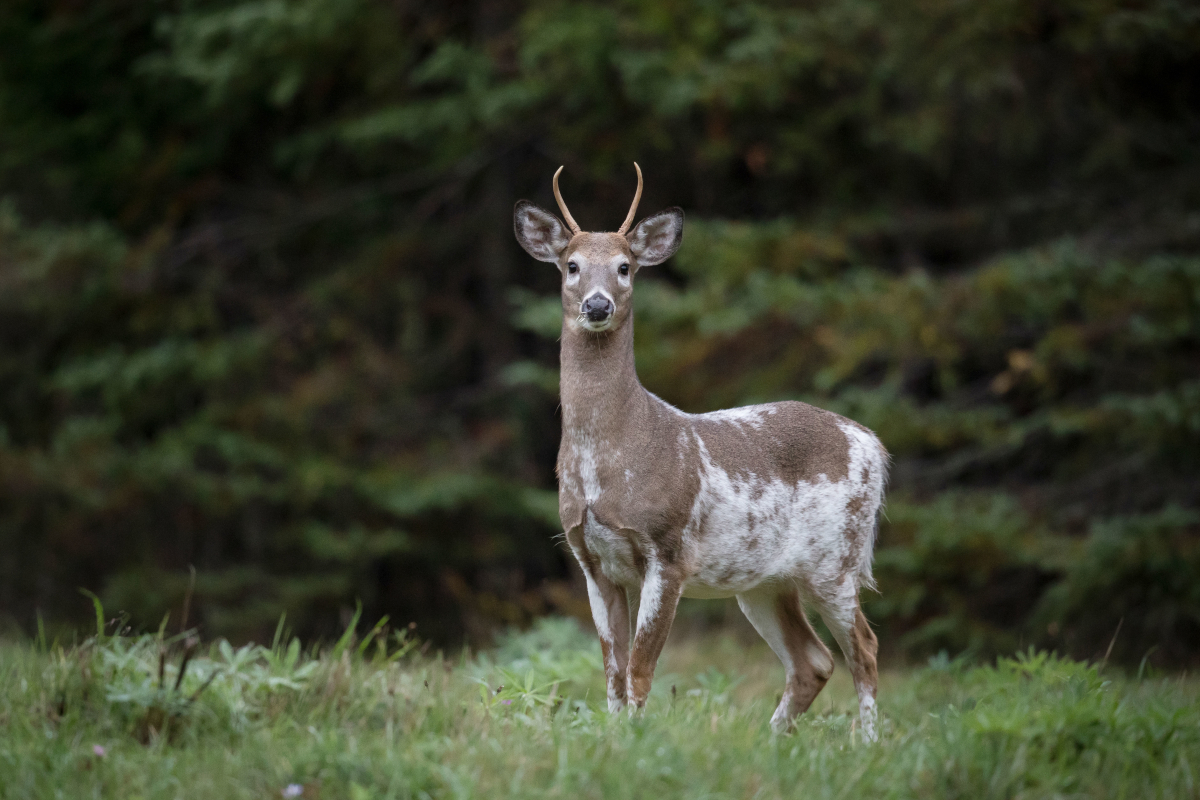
pixel 779 618
pixel 854 635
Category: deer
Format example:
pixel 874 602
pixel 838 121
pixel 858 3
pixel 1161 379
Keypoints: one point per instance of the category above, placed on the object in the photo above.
pixel 775 504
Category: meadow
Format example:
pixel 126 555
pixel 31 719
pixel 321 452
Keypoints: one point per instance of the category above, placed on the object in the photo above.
pixel 385 716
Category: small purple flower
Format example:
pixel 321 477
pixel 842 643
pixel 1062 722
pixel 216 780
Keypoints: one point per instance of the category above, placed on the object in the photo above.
pixel 506 702
pixel 99 750
pixel 293 790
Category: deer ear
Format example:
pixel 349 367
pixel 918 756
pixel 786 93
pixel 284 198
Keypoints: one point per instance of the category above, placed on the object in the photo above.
pixel 656 238
pixel 539 232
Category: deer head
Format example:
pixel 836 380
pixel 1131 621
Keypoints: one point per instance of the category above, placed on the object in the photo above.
pixel 597 268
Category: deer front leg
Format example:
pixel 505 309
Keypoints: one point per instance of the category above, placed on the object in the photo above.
pixel 610 613
pixel 659 598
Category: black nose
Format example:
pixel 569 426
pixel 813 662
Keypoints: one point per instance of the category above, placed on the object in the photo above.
pixel 597 308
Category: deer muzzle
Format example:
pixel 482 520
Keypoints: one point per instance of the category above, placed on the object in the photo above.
pixel 597 308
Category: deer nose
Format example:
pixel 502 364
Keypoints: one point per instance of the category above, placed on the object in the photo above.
pixel 597 308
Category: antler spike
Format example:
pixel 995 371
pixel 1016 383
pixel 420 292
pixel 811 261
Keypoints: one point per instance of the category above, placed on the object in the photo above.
pixel 562 206
pixel 637 197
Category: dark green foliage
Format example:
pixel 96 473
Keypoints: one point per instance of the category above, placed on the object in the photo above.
pixel 1146 569
pixel 261 310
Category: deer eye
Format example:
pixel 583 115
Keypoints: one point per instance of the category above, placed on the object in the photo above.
pixel 572 267
pixel 623 269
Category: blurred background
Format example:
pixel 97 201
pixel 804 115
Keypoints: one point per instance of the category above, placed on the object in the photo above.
pixel 262 312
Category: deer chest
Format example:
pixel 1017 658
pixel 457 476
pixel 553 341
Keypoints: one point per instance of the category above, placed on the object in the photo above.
pixel 616 553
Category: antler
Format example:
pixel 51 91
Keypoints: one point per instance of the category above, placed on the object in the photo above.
pixel 636 199
pixel 574 226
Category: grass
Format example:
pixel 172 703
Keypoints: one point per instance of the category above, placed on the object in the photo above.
pixel 117 717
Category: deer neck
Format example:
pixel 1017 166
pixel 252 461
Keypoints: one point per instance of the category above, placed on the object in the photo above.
pixel 599 383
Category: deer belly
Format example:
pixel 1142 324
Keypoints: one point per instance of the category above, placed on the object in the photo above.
pixel 726 573
pixel 616 555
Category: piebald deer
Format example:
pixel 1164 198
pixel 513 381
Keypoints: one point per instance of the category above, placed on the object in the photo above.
pixel 775 504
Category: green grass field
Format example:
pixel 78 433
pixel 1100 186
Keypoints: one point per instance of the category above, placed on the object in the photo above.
pixel 384 720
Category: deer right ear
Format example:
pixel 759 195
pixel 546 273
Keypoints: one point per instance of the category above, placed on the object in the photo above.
pixel 539 232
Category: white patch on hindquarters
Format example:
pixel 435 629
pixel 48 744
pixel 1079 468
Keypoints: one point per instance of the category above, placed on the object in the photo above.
pixel 747 531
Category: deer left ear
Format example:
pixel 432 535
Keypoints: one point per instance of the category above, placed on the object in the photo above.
pixel 656 238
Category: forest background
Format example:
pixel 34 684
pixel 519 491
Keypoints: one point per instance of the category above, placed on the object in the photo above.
pixel 262 312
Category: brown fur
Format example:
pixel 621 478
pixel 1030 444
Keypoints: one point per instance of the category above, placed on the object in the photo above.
pixel 862 664
pixel 649 640
pixel 807 678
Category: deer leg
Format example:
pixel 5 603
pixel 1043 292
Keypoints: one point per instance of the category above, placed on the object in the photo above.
pixel 779 618
pixel 633 599
pixel 854 635
pixel 610 613
pixel 657 602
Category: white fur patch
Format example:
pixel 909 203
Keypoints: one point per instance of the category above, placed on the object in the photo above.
pixel 652 592
pixel 751 416
pixel 868 716
pixel 746 531
pixel 588 467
